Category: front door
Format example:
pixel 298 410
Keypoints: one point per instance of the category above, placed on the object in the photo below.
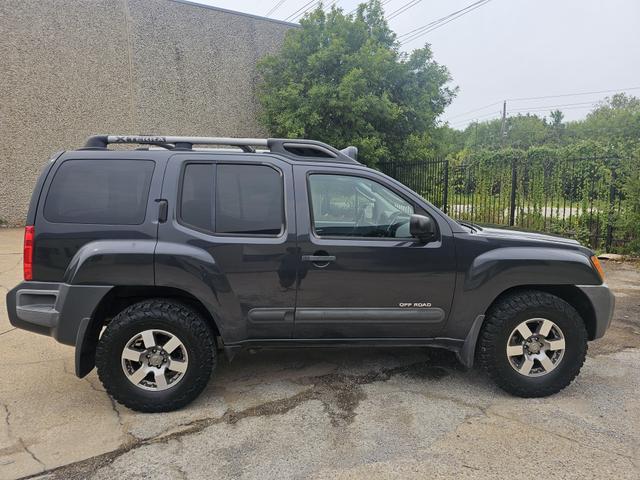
pixel 361 274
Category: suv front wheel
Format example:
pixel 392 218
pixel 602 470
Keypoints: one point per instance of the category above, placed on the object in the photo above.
pixel 532 344
pixel 156 356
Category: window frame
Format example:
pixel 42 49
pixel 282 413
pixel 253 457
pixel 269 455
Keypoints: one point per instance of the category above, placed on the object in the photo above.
pixel 215 163
pixel 183 171
pixel 312 227
pixel 61 165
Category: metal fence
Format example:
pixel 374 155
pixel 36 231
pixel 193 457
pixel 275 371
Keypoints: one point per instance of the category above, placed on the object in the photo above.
pixel 580 198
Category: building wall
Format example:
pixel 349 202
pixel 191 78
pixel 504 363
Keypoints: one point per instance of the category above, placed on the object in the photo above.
pixel 73 68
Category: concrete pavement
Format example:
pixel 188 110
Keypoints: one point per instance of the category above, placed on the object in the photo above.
pixel 323 413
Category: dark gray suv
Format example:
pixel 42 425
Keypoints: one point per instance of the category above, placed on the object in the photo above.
pixel 150 261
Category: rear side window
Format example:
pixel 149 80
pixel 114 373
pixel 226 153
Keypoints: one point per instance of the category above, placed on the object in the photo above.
pixel 111 192
pixel 249 200
pixel 233 199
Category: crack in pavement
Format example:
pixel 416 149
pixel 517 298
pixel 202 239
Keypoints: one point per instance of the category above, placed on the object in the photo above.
pixel 37 362
pixel 8 331
pixel 19 440
pixel 33 455
pixel 339 393
pixel 461 403
pixel 6 417
pixel 129 437
pixel 488 411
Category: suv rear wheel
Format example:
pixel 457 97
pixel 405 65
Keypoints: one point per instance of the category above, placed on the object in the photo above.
pixel 156 356
pixel 532 344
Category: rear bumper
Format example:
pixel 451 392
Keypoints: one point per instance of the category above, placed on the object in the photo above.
pixel 54 309
pixel 603 302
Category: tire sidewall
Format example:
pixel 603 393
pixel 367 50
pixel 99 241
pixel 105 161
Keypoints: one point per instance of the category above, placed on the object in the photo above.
pixel 124 327
pixel 575 341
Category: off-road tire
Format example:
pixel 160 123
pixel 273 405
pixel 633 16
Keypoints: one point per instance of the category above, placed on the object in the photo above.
pixel 174 317
pixel 509 312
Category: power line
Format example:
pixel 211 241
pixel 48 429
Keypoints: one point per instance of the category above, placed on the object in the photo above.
pixel 315 5
pixel 275 7
pixel 304 10
pixel 330 5
pixel 419 29
pixel 403 9
pixel 441 22
pixel 294 15
pixel 423 27
pixel 318 4
pixel 575 94
pixel 382 4
pixel 520 111
pixel 533 107
pixel 461 122
pixel 574 106
pixel 475 110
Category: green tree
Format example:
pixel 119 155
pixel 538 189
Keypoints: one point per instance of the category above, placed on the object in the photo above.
pixel 522 131
pixel 557 126
pixel 615 121
pixel 342 79
pixel 483 134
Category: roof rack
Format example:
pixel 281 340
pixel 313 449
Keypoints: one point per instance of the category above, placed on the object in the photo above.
pixel 292 148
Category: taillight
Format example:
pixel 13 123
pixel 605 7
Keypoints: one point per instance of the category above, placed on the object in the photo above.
pixel 29 234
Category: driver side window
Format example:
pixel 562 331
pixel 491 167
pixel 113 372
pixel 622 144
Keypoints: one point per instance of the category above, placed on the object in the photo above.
pixel 350 206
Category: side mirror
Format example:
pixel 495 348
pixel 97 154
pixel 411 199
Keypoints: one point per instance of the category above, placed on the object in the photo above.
pixel 423 228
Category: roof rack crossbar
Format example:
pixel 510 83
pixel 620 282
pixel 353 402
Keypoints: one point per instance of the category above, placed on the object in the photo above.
pixel 101 141
pixel 295 148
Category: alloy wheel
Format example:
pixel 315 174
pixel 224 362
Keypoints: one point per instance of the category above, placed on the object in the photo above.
pixel 154 360
pixel 535 347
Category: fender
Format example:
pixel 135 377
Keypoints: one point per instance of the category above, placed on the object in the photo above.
pixel 93 271
pixel 514 266
pixel 112 262
pixel 131 263
pixel 493 272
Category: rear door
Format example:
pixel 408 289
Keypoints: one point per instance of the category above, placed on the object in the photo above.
pixel 230 240
pixel 362 275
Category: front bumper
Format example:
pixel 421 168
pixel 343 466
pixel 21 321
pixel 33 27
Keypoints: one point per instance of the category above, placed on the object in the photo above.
pixel 54 309
pixel 603 302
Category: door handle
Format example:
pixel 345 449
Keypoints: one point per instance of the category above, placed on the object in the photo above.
pixel 319 258
pixel 163 207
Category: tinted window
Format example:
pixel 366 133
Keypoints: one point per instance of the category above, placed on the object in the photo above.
pixel 197 196
pixel 352 206
pixel 249 200
pixel 99 191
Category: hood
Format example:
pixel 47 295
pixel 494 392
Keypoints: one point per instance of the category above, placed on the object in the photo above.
pixel 522 235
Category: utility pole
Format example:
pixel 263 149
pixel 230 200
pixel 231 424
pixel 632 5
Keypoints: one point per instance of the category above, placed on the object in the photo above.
pixel 476 144
pixel 503 132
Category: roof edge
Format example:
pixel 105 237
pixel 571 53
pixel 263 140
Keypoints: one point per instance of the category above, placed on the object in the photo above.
pixel 233 12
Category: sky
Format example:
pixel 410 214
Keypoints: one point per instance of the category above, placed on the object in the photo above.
pixel 513 50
